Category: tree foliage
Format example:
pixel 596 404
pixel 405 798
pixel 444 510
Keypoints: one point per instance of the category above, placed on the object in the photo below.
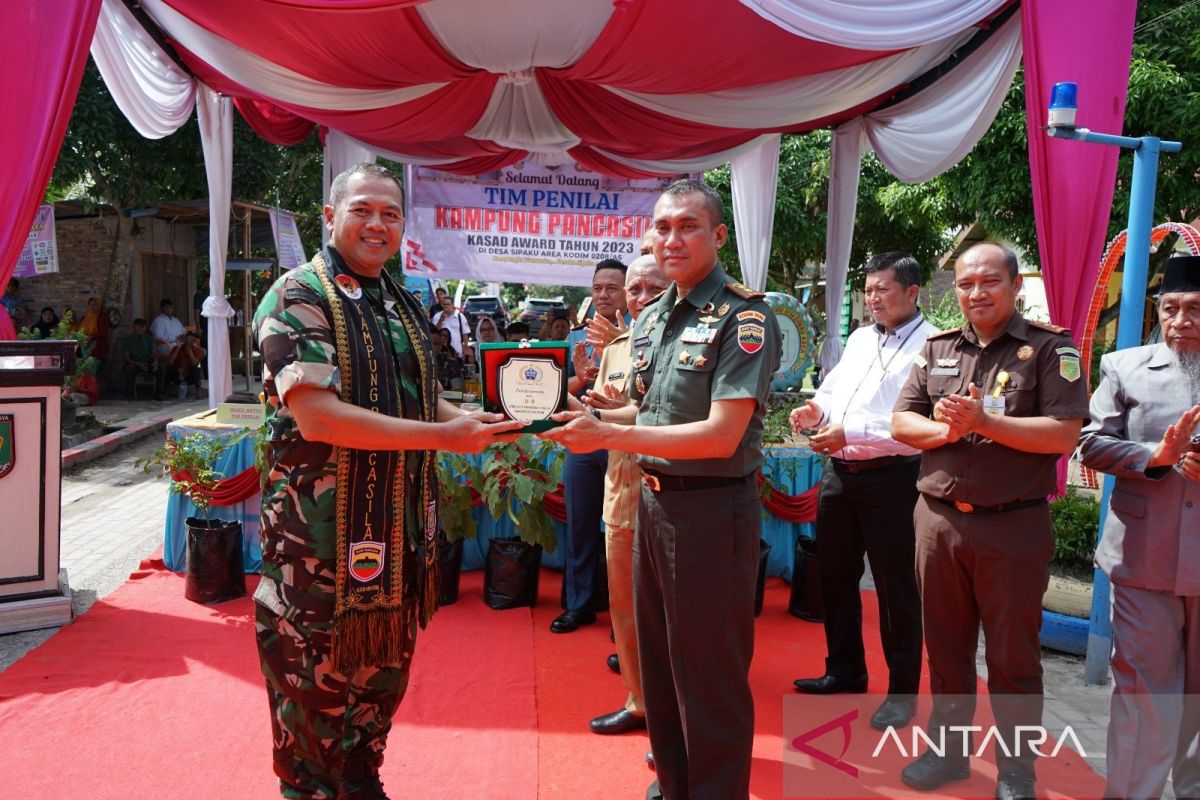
pixel 991 185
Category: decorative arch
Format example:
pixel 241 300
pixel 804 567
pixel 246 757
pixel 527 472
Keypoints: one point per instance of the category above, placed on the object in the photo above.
pixel 1108 264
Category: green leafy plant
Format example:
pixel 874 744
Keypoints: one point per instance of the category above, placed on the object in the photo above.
pixel 515 479
pixel 945 313
pixel 456 476
pixel 1075 519
pixel 776 428
pixel 65 330
pixel 190 462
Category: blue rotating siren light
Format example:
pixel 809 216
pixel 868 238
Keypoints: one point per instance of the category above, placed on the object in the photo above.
pixel 1063 104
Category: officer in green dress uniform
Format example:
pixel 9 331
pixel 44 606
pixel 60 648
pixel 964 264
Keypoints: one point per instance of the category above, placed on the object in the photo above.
pixel 703 355
pixel 349 508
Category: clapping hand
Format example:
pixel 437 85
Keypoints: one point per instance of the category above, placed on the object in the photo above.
pixel 586 367
pixel 609 397
pixel 1176 441
pixel 601 332
pixel 805 417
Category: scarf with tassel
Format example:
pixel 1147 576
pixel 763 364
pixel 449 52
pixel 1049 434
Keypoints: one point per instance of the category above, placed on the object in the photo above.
pixel 386 503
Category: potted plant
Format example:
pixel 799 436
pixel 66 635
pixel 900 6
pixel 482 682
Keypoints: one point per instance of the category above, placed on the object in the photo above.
pixel 514 481
pixel 456 476
pixel 1074 518
pixel 215 571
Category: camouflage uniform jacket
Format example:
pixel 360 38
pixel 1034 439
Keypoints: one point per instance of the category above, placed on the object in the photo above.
pixel 299 527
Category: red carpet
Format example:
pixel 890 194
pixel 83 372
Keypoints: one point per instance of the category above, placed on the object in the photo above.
pixel 149 696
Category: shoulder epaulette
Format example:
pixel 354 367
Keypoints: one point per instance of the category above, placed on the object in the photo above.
pixel 743 291
pixel 1046 326
pixel 944 334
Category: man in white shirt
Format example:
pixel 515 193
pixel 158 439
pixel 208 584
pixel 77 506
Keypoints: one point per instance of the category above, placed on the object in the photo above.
pixel 868 493
pixel 452 320
pixel 168 333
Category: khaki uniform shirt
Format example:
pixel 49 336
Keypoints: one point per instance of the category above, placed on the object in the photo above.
pixel 622 481
pixel 1045 379
pixel 721 342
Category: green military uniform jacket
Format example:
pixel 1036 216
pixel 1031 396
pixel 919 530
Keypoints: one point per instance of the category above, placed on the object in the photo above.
pixel 720 342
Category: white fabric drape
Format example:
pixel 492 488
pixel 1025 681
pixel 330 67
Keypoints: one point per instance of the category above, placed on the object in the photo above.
pixel 915 139
pixel 215 115
pixel 792 102
pixel 341 153
pixel 155 95
pixel 845 155
pixel 507 36
pixel 754 176
pixel 517 116
pixel 933 130
pixel 873 24
pixel 270 79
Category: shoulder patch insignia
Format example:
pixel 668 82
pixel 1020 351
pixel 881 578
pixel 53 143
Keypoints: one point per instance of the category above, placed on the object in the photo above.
pixel 743 291
pixel 1068 368
pixel 757 316
pixel 750 336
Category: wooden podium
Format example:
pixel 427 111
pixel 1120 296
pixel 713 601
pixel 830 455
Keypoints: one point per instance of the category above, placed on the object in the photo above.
pixel 33 589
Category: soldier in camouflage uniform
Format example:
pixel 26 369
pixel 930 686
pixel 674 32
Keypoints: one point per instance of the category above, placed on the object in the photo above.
pixel 330 721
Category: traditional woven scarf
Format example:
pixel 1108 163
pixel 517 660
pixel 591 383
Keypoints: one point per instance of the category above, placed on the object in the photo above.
pixel 376 534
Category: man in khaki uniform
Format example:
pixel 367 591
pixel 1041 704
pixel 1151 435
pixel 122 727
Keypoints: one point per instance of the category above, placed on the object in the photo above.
pixel 992 405
pixel 644 282
pixel 704 354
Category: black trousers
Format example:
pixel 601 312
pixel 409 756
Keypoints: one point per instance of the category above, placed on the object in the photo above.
pixel 871 512
pixel 695 565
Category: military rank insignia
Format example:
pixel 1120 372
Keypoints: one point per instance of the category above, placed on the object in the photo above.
pixel 8 445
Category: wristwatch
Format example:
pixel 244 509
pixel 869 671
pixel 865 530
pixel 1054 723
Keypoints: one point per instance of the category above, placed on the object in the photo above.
pixel 596 413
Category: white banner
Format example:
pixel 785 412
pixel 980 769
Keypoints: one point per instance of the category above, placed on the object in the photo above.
pixel 524 224
pixel 39 256
pixel 288 247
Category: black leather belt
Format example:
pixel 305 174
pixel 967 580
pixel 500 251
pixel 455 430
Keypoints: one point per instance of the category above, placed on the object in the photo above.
pixel 971 508
pixel 871 464
pixel 659 482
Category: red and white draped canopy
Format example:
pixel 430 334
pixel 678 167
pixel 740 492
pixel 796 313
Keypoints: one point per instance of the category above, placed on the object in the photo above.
pixel 631 88
pixel 636 88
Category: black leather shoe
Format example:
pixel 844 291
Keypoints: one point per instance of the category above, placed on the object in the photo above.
pixel 614 663
pixel 931 771
pixel 622 721
pixel 894 713
pixel 832 684
pixel 650 759
pixel 1015 787
pixel 568 621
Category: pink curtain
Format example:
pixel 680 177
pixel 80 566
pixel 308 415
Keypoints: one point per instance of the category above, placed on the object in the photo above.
pixel 41 72
pixel 1068 40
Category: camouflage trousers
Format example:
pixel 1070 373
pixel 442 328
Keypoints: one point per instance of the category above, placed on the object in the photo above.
pixel 324 724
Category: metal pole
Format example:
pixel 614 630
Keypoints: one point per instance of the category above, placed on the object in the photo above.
pixel 1134 278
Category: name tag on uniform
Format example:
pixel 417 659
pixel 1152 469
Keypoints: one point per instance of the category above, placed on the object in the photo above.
pixel 950 372
pixel 704 335
pixel 994 406
pixel 641 341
